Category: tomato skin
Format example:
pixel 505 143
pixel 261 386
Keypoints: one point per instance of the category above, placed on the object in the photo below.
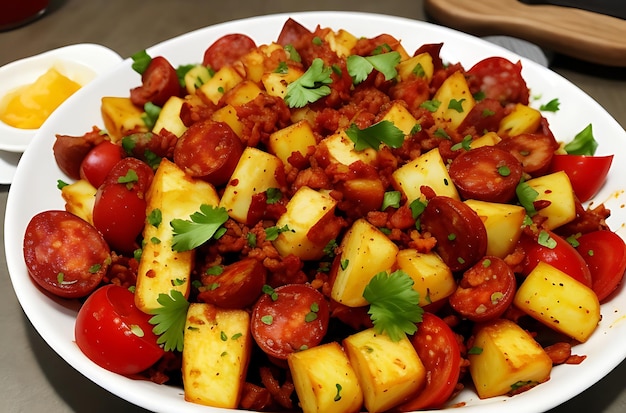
pixel 439 351
pixel 104 332
pixel 58 242
pixel 227 49
pixel 605 254
pixel 563 256
pixel 97 164
pixel 119 210
pixel 279 326
pixel 474 297
pixel 159 83
pixel 586 173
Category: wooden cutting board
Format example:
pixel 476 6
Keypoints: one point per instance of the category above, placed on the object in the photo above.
pixel 589 36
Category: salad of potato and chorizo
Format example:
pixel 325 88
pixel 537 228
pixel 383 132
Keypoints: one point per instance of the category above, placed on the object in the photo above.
pixel 329 223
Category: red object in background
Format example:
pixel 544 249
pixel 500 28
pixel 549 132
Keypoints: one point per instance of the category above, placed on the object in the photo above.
pixel 15 13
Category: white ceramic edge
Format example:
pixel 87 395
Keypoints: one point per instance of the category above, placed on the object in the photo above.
pixel 94 58
pixel 605 349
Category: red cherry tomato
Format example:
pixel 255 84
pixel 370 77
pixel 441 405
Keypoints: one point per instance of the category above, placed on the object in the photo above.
pixel 227 49
pixel 485 291
pixel 563 256
pixel 115 334
pixel 119 210
pixel 439 351
pixel 99 161
pixel 605 254
pixel 159 83
pixel 64 254
pixel 586 173
pixel 293 318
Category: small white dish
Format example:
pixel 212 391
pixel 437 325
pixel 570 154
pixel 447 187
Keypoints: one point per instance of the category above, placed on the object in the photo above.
pixel 80 62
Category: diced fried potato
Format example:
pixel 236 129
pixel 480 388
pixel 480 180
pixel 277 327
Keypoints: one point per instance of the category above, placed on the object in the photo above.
pixel 559 301
pixel 255 173
pixel 503 223
pixel 222 81
pixel 429 170
pixel 196 77
pixel 508 358
pixel 401 118
pixel 432 278
pixel 296 137
pixel 341 150
pixel 365 252
pixel 242 93
pixel 228 115
pixel 456 101
pixel 388 371
pixel 555 188
pixel 254 62
pixel 275 84
pixel 325 380
pixel 523 119
pixel 169 117
pixel 217 346
pixel 306 210
pixel 421 64
pixel 488 139
pixel 162 269
pixel 341 42
pixel 80 197
pixel 121 117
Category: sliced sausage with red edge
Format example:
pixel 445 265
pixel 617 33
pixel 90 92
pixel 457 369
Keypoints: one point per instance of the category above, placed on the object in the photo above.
pixel 159 82
pixel 64 254
pixel 460 233
pixel 227 49
pixel 239 284
pixel 533 150
pixel 290 318
pixel 487 174
pixel 500 79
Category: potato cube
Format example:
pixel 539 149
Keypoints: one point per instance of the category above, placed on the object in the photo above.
pixel 254 62
pixel 456 101
pixel 557 189
pixel 222 81
pixel 275 84
pixel 421 64
pixel 401 118
pixel 341 42
pixel 366 251
pixel 161 269
pixel 429 170
pixel 217 346
pixel 196 77
pixel 121 117
pixel 503 223
pixel 169 118
pixel 306 211
pixel 80 197
pixel 255 173
pixel 293 138
pixel 432 278
pixel 488 139
pixel 523 119
pixel 508 358
pixel 228 115
pixel 341 150
pixel 325 380
pixel 242 93
pixel 559 301
pixel 388 371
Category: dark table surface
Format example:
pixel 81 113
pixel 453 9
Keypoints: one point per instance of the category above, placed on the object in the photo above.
pixel 33 378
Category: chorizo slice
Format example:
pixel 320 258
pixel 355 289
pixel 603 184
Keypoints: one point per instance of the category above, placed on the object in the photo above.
pixel 533 150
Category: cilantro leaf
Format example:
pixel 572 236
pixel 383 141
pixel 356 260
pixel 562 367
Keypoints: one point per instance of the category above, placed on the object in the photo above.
pixel 309 87
pixel 372 136
pixel 391 199
pixel 141 61
pixel 394 304
pixel 527 196
pixel 359 67
pixel 169 320
pixel 551 106
pixel 583 144
pixel 151 114
pixel 203 226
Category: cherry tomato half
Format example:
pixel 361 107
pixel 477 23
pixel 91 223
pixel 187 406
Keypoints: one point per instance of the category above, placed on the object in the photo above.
pixel 438 349
pixel 97 164
pixel 605 254
pixel 562 256
pixel 159 83
pixel 586 173
pixel 119 210
pixel 485 291
pixel 292 318
pixel 115 334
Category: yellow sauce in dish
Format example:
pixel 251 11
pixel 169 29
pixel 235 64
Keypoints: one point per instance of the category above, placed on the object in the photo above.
pixel 29 106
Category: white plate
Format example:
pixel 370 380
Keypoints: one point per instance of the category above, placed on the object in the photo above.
pixel 34 190
pixel 80 62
